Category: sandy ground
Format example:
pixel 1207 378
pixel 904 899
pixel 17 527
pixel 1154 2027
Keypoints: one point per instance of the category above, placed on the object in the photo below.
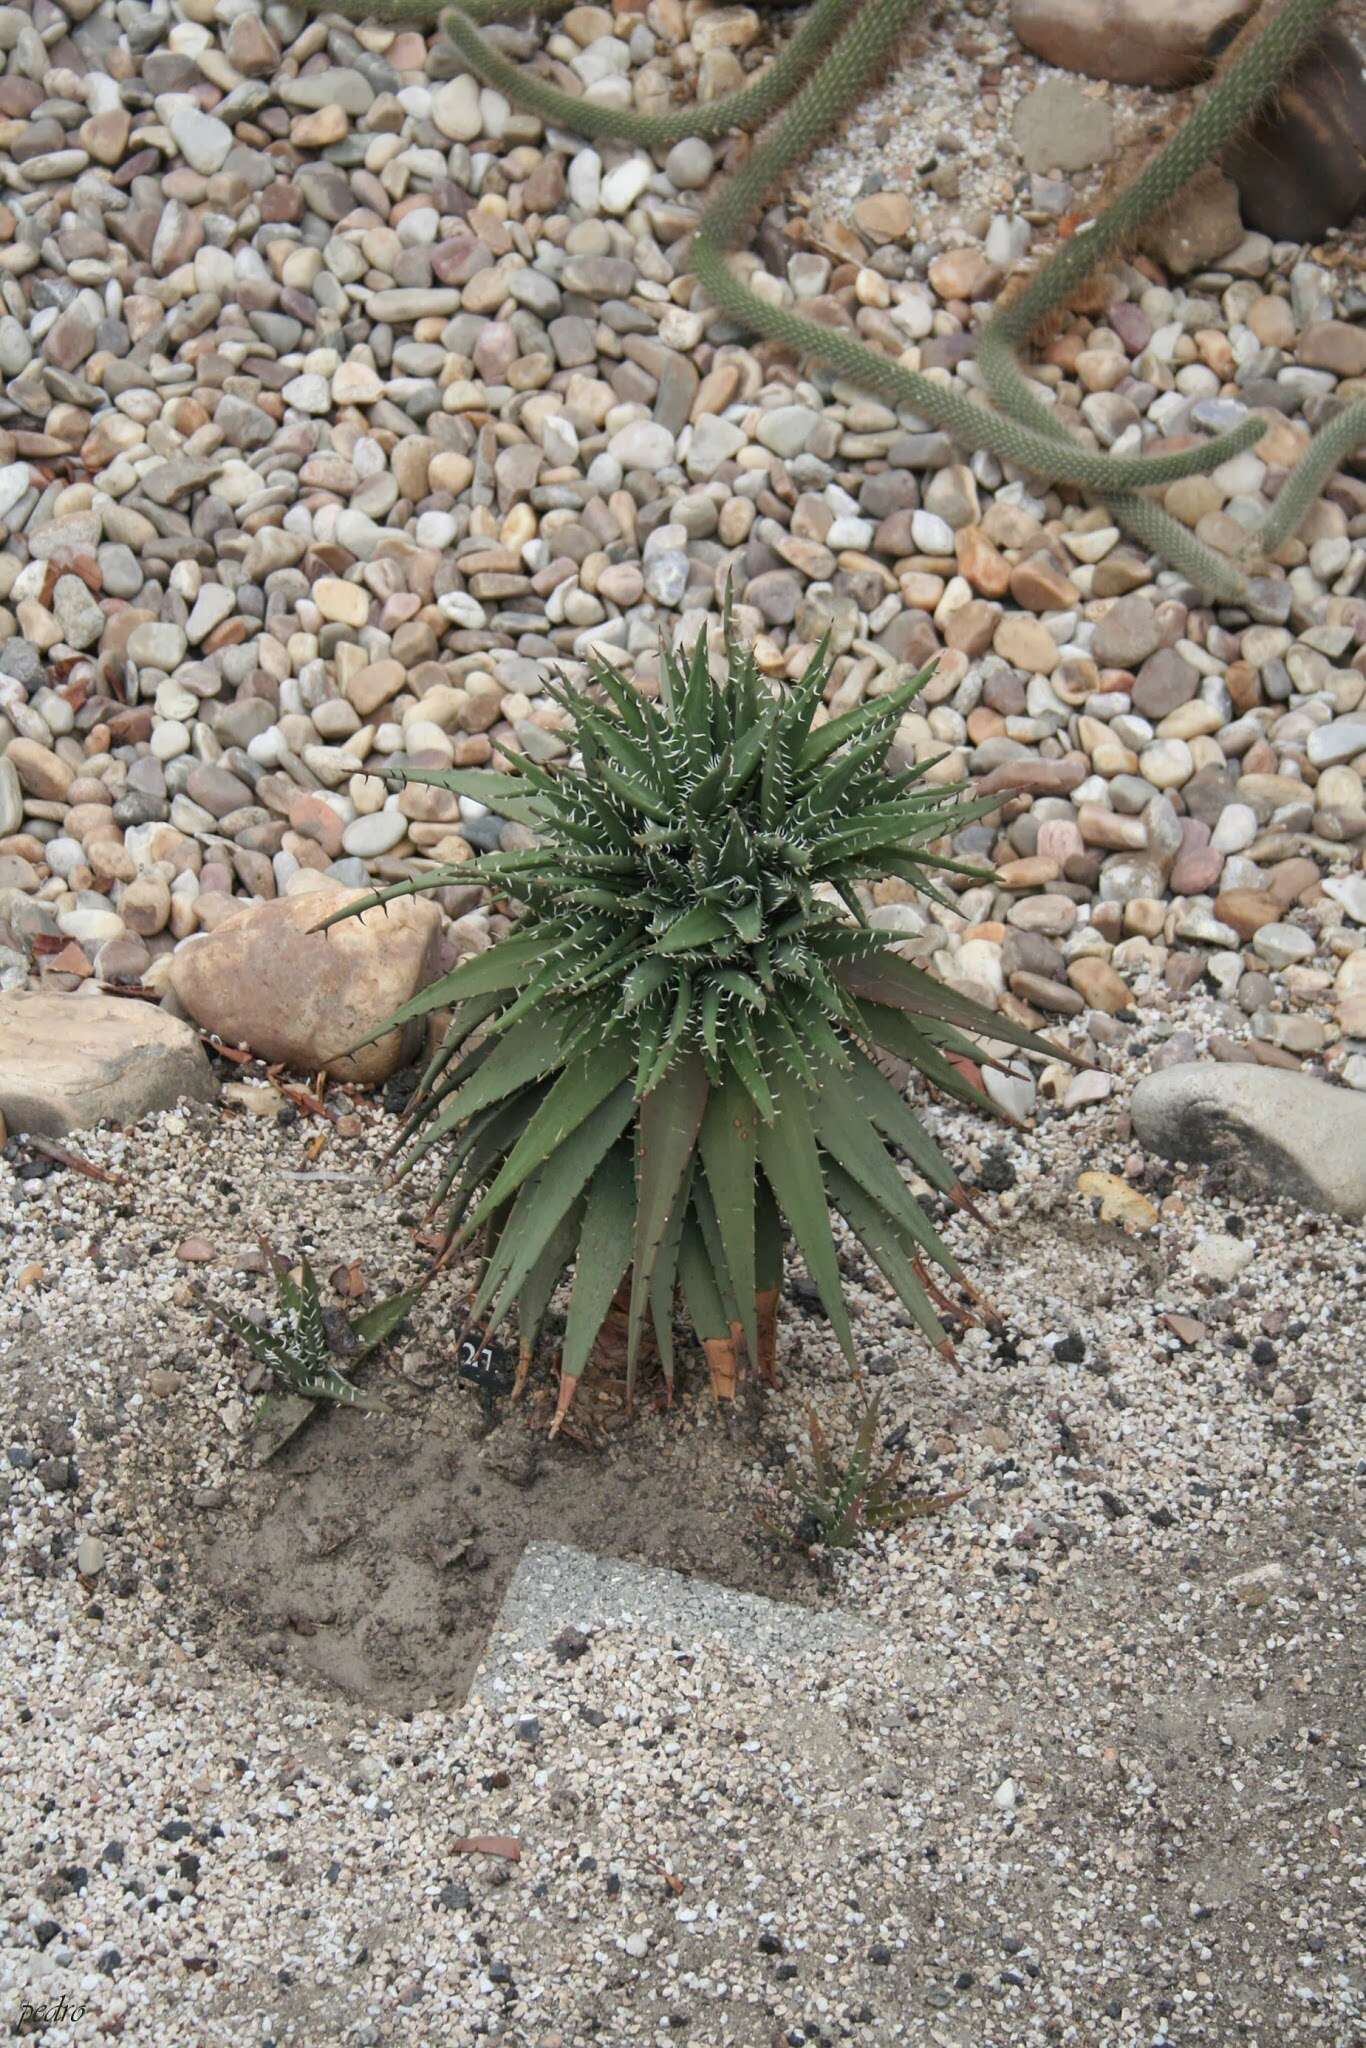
pixel 1095 1780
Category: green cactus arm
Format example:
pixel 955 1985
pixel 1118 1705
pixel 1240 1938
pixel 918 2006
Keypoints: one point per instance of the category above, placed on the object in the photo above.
pixel 815 79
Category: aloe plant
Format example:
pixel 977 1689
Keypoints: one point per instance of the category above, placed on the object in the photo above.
pixel 296 1346
pixel 670 1057
pixel 844 1499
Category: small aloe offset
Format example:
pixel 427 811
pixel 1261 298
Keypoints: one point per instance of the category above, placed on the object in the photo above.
pixel 844 1499
pixel 670 1060
pixel 299 1345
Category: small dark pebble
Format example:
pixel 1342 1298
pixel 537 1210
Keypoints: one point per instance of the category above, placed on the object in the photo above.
pixel 997 1172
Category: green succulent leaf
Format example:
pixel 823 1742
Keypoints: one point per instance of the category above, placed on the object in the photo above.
pixel 792 1166
pixel 604 1255
pixel 667 1124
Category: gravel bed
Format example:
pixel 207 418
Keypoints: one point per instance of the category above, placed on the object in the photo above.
pixel 1093 1781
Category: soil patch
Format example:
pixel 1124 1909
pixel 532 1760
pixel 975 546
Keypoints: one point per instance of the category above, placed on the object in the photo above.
pixel 372 1553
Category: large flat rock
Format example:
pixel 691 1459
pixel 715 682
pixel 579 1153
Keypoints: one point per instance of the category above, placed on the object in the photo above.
pixel 556 1587
pixel 1280 1135
pixel 69 1061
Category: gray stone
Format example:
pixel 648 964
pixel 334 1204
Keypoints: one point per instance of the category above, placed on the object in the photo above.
pixel 1127 634
pixel 1201 225
pixel 556 1587
pixel 203 141
pixel 11 799
pixel 1342 739
pixel 1057 127
pixel 69 1061
pixel 1280 1135
pixel 155 644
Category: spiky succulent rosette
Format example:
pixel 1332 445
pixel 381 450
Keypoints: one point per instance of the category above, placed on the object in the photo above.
pixel 673 1053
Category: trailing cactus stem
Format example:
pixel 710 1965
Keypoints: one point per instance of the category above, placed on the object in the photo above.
pixel 814 80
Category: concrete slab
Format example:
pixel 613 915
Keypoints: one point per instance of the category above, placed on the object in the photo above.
pixel 556 1587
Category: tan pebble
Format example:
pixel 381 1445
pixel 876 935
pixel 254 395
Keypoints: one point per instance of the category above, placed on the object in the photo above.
pixel 345 604
pixel 1113 830
pixel 1283 443
pixel 960 274
pixel 1040 587
pixel 105 135
pixel 1026 645
pixel 1034 871
pixel 316 131
pixel 1119 1203
pixel 1272 321
pixel 984 566
pixel 1060 841
pixel 885 217
pixel 42 774
pixel 1144 916
pixel 357 384
pixel 375 684
pixel 1096 980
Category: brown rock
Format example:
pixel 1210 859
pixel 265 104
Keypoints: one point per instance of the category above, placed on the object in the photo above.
pixel 1301 167
pixel 1040 587
pixel 1289 879
pixel 1201 225
pixel 374 685
pixel 1033 871
pixel 265 977
pixel 1036 778
pixel 1247 910
pixel 1055 996
pixel 970 627
pixel 960 274
pixel 984 566
pixel 1133 42
pixel 1334 345
pixel 41 773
